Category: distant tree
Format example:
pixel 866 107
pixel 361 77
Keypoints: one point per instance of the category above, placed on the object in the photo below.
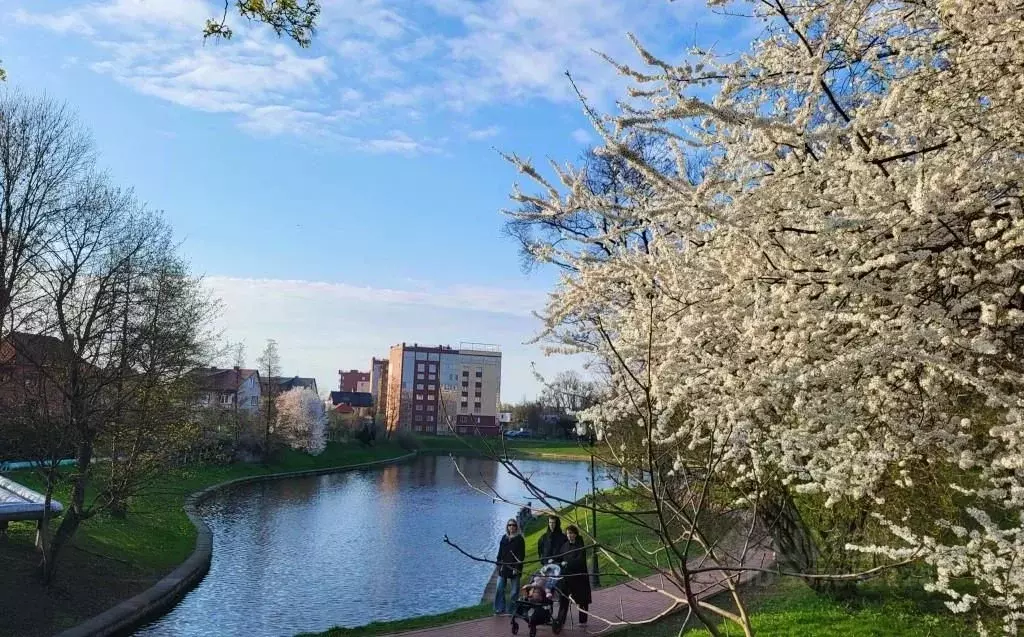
pixel 269 364
pixel 302 420
pixel 569 393
pixel 237 351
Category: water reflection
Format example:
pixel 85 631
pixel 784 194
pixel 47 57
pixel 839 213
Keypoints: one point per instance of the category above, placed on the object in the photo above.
pixel 307 554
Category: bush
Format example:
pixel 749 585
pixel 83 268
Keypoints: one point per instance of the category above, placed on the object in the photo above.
pixel 406 440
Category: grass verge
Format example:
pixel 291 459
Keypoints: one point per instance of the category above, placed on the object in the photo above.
pixel 541 449
pixel 789 607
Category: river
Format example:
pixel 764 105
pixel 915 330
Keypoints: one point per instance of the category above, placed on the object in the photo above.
pixel 306 554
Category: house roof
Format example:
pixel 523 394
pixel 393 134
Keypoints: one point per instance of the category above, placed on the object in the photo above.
pixel 217 379
pixel 22 348
pixel 284 383
pixel 352 398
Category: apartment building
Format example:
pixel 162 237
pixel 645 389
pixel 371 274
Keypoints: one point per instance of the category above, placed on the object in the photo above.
pixel 379 383
pixel 354 381
pixel 434 390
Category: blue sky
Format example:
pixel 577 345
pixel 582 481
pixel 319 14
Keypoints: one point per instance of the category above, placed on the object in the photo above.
pixel 346 197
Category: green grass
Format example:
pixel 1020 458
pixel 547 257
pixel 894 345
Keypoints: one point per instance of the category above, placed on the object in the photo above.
pixel 519 448
pixel 790 608
pixel 157 535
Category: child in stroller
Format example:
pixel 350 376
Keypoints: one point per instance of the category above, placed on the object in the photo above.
pixel 536 604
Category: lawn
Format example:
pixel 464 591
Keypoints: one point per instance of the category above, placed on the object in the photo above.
pixel 520 448
pixel 790 608
pixel 111 558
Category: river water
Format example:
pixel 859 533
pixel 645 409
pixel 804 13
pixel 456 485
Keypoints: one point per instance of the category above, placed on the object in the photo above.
pixel 307 554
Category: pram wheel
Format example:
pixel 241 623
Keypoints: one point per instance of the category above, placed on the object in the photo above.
pixel 515 627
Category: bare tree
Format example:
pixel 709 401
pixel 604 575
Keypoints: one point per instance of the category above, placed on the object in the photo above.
pixel 269 366
pixel 44 153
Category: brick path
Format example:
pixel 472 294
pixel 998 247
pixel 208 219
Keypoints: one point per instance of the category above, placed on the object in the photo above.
pixel 628 602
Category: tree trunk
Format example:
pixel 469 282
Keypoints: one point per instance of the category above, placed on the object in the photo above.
pixel 780 516
pixel 74 513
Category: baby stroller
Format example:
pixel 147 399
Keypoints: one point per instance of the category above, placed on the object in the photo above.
pixel 539 613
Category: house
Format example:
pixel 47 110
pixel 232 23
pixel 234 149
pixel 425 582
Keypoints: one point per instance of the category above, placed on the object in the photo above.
pixel 31 367
pixel 235 388
pixel 277 385
pixel 348 402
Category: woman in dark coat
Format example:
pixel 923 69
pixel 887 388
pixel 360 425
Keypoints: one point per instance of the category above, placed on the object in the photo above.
pixel 575 579
pixel 511 553
pixel 550 544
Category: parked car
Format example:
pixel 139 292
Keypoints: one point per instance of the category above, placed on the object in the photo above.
pixel 522 433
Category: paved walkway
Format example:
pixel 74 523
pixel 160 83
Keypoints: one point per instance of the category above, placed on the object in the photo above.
pixel 626 602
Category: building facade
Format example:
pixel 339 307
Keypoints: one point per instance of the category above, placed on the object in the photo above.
pixel 354 381
pixel 235 389
pixel 379 383
pixel 442 390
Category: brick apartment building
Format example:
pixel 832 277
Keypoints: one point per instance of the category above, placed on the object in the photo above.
pixel 430 387
pixel 354 381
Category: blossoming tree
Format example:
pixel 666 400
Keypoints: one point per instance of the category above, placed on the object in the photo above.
pixel 825 318
pixel 302 420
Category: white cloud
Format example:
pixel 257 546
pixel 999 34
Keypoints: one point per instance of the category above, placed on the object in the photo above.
pixel 581 136
pixel 322 327
pixel 59 23
pixel 375 64
pixel 484 133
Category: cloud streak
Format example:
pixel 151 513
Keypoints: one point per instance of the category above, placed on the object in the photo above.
pixel 376 65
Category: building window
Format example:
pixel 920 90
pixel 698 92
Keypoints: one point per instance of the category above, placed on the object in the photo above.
pixel 478 384
pixel 419 376
pixel 225 399
pixel 477 395
pixel 431 387
pixel 476 405
pixel 433 377
pixel 419 386
pixel 465 383
pixel 465 405
pixel 430 418
pixel 419 367
pixel 419 396
pixel 254 401
pixel 419 417
pixel 419 407
pixel 465 394
pixel 479 374
pixel 465 374
pixel 430 407
pixel 205 399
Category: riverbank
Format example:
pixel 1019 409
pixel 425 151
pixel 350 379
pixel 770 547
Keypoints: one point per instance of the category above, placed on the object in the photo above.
pixel 518 448
pixel 113 559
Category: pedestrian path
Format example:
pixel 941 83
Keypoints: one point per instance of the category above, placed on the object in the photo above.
pixel 628 602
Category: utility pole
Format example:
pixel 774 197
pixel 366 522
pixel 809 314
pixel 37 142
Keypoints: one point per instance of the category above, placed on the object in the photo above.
pixel 595 577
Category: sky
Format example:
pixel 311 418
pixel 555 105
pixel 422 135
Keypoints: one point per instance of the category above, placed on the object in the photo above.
pixel 346 197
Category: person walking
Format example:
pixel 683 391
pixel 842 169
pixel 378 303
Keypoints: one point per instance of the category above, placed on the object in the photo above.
pixel 550 544
pixel 511 553
pixel 575 579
